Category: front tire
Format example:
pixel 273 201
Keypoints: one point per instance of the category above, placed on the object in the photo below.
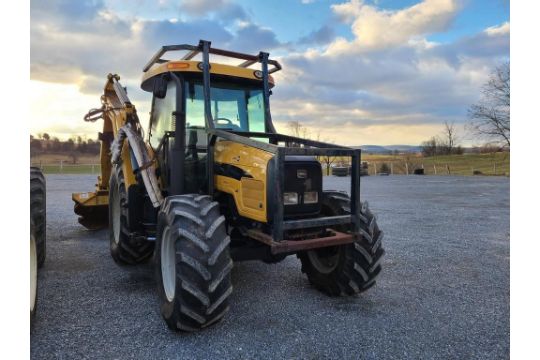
pixel 125 249
pixel 345 269
pixel 193 263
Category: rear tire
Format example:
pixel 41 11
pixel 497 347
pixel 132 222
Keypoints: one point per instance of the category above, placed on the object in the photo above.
pixel 38 212
pixel 33 272
pixel 345 269
pixel 125 250
pixel 193 262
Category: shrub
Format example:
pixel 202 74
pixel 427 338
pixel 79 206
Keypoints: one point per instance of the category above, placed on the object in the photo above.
pixel 384 168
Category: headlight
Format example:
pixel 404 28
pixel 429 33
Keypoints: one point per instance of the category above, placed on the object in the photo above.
pixel 290 198
pixel 311 197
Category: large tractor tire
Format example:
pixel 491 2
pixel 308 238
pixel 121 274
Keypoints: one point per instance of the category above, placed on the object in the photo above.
pixel 345 269
pixel 193 262
pixel 33 271
pixel 38 212
pixel 125 249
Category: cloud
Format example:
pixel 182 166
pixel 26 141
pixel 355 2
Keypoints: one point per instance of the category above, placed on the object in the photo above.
pixel 387 80
pixel 201 7
pixel 78 42
pixel 378 29
pixel 223 10
pixel 66 9
pixel 490 46
pixel 498 30
pixel 377 86
pixel 253 38
pixel 164 32
pixel 321 36
pixel 85 16
pixel 417 83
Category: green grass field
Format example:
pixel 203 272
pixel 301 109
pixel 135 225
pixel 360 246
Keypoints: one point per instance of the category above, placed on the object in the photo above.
pixel 69 169
pixel 466 164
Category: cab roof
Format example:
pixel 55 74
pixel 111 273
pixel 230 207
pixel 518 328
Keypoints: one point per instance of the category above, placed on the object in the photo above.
pixel 187 66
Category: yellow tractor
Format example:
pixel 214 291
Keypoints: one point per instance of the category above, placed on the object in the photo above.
pixel 211 181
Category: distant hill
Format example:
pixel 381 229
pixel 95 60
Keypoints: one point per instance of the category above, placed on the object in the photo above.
pixel 378 149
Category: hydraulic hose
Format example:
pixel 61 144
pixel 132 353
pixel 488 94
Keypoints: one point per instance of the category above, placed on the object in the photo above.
pixel 144 162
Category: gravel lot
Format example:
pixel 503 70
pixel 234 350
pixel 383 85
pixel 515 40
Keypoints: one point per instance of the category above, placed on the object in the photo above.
pixel 443 293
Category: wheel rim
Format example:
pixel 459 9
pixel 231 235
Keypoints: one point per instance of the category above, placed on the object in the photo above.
pixel 115 208
pixel 168 264
pixel 324 260
pixel 33 272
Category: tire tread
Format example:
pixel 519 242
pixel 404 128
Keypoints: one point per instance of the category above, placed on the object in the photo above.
pixel 38 212
pixel 203 262
pixel 360 262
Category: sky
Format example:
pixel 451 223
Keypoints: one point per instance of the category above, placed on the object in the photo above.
pixel 354 72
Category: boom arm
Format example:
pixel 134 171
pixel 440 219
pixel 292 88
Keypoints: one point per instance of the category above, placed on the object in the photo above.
pixel 120 123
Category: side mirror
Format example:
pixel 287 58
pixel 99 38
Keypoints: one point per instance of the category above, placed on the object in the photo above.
pixel 160 86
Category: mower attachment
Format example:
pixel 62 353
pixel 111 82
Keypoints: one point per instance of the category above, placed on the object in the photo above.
pixel 92 208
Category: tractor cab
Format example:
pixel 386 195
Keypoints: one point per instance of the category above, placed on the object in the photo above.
pixel 236 104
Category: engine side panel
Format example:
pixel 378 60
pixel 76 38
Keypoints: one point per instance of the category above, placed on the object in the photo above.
pixel 241 171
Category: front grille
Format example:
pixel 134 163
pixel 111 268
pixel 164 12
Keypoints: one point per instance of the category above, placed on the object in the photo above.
pixel 296 182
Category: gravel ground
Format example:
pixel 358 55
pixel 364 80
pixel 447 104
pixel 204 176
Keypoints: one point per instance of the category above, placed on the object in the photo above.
pixel 443 292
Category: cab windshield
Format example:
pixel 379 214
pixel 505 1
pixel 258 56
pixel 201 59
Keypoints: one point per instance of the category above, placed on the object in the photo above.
pixel 237 108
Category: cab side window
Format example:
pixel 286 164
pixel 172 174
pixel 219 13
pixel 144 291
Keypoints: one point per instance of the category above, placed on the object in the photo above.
pixel 162 119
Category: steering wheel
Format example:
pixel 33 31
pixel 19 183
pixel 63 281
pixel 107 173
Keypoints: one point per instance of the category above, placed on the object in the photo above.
pixel 223 121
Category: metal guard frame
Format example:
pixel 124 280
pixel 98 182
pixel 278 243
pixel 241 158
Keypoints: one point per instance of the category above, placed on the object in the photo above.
pixel 195 50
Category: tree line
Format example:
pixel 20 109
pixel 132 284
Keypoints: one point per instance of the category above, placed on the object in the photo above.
pixel 44 143
pixel 445 144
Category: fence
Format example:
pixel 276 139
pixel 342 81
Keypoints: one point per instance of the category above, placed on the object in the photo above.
pixel 431 166
pixel 64 167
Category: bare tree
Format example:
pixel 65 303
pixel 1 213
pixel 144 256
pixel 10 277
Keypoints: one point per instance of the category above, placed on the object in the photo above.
pixel 74 155
pixel 450 137
pixel 491 115
pixel 429 147
pixel 446 144
pixel 328 161
pixel 298 129
pixel 325 159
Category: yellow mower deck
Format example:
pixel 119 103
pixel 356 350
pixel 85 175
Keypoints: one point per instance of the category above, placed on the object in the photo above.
pixel 92 208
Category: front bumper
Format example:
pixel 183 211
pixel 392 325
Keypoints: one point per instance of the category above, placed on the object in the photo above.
pixel 334 238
